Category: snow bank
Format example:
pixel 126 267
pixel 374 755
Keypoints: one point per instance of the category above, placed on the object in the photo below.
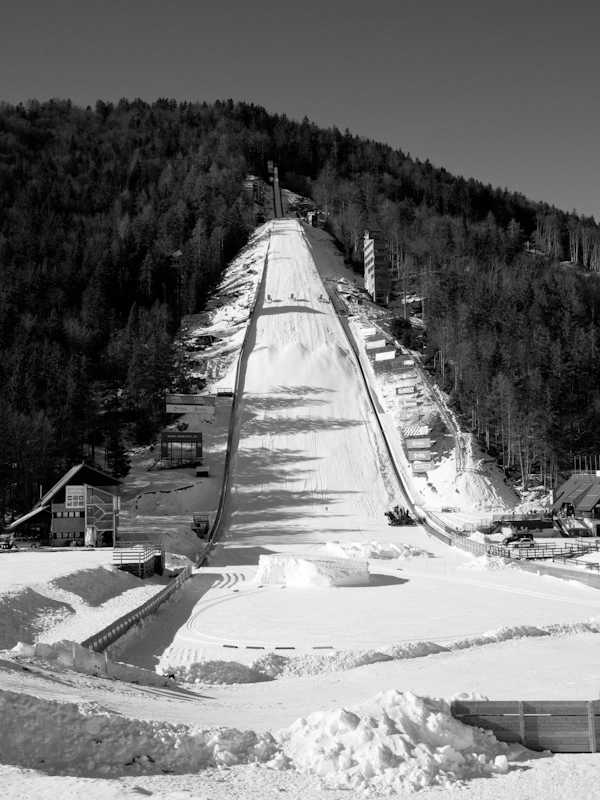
pixel 96 586
pixel 83 739
pixel 478 536
pixel 298 569
pixel 489 563
pixel 394 742
pixel 272 665
pixel 375 550
pixel 217 672
pixel 80 659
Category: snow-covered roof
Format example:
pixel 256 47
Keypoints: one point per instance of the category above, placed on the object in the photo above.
pixel 582 491
pixel 43 502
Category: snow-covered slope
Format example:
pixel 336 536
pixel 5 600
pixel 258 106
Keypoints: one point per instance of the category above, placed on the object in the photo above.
pixel 310 476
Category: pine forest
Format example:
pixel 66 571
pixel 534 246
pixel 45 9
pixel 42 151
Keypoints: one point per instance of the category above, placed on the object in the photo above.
pixel 94 202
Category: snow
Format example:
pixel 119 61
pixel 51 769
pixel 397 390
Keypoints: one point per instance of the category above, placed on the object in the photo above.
pixel 273 678
pixel 385 550
pixel 292 569
pixel 393 742
pixel 74 656
pixel 71 605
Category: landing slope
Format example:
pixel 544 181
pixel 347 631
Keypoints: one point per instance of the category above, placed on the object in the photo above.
pixel 308 460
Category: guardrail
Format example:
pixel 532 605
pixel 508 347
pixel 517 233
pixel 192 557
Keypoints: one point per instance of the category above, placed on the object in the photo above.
pixel 464 543
pixel 100 641
pixel 541 550
pixel 561 726
pixel 591 565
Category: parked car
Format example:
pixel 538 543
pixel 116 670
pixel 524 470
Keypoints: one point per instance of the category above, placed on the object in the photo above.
pixel 23 541
pixel 519 540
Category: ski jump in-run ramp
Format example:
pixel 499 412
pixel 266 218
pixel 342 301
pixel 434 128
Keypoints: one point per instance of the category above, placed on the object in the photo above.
pixel 309 467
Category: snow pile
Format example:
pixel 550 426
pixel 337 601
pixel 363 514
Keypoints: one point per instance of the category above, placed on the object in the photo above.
pixel 478 536
pixel 26 614
pixel 83 739
pixel 394 742
pixel 298 569
pixel 216 672
pixel 275 665
pixel 375 550
pixel 514 632
pixel 95 586
pixel 74 656
pixel 472 490
pixel 488 563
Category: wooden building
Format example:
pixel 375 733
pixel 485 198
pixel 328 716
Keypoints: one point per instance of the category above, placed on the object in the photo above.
pixel 82 508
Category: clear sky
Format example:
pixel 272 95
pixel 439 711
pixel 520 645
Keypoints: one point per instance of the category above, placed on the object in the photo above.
pixel 503 91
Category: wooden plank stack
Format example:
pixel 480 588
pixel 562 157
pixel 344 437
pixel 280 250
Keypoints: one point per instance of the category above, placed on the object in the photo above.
pixel 561 726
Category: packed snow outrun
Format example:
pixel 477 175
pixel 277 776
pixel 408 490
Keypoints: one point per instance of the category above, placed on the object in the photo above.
pixel 316 649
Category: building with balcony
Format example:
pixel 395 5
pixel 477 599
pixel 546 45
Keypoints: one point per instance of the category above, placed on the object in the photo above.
pixel 81 508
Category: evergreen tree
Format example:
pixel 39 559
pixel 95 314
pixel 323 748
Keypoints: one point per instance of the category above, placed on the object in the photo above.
pixel 118 462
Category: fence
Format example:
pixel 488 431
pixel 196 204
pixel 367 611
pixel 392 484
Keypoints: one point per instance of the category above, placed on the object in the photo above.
pixel 561 726
pixel 555 552
pixel 134 557
pixel 470 544
pixel 593 565
pixel 100 641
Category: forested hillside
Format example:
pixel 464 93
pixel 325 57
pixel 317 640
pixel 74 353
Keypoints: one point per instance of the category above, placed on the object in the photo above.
pixel 92 205
pixel 94 202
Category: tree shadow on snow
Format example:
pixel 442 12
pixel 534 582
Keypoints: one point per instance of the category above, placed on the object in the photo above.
pixel 269 310
pixel 268 402
pixel 245 556
pixel 293 427
pixel 302 390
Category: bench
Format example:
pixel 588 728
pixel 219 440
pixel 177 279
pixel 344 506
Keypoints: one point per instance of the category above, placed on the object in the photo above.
pixel 202 472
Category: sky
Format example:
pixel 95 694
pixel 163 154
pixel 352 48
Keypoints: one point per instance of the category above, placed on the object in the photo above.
pixel 502 91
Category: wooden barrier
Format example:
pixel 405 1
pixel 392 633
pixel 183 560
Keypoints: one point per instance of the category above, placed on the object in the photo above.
pixel 561 726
